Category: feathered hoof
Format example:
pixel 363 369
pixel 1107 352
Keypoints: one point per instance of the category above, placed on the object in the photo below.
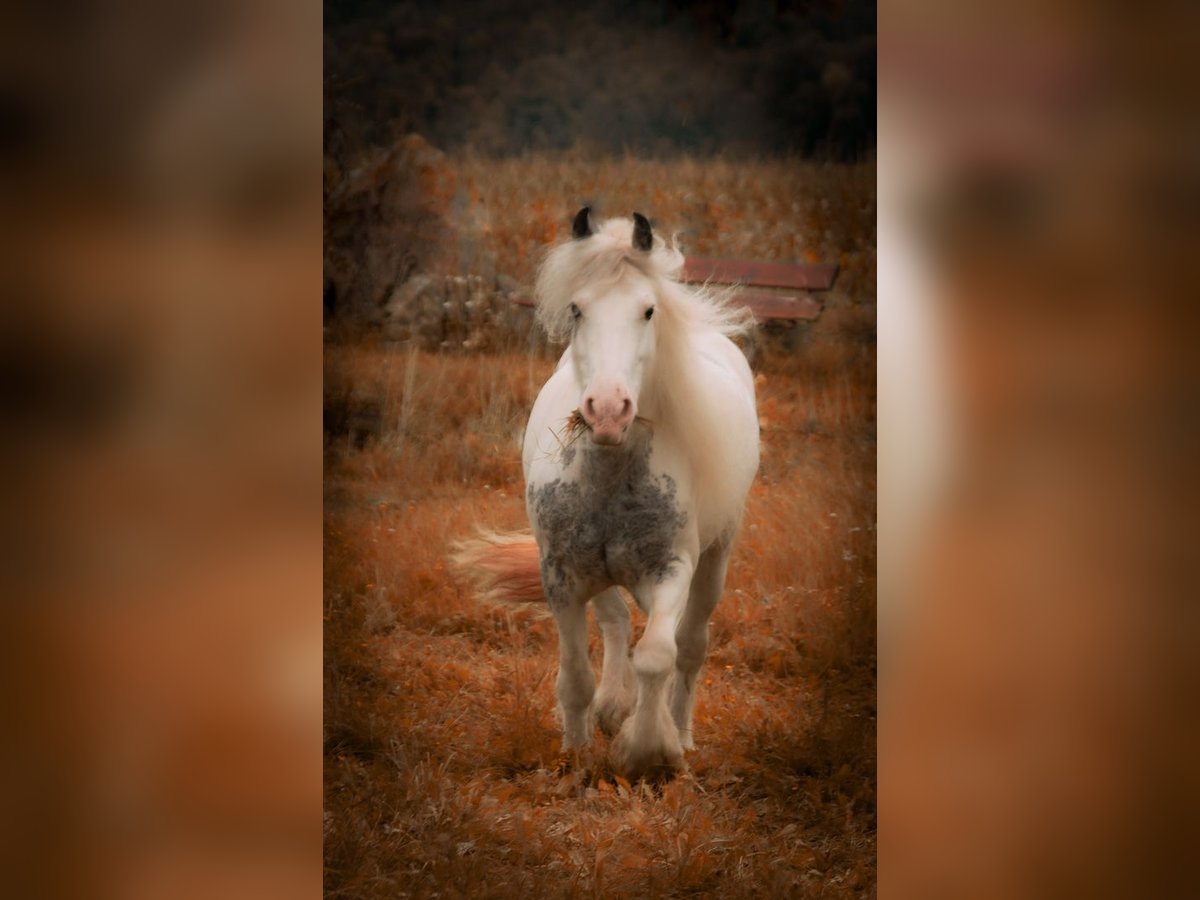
pixel 653 757
pixel 611 713
pixel 575 759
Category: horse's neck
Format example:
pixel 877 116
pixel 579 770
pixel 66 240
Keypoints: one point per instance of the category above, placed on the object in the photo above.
pixel 677 398
pixel 610 465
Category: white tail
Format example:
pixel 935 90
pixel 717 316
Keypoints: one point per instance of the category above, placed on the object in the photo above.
pixel 503 568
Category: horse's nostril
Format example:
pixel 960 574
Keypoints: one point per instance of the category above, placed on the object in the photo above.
pixel 625 407
pixel 589 408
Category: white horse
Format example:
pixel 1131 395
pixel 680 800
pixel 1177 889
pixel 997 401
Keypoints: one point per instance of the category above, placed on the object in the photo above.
pixel 638 456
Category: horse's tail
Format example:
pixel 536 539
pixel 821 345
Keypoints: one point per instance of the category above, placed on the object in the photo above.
pixel 503 568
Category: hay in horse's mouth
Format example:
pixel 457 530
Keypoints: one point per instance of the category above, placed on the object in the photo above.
pixel 577 425
pixel 572 428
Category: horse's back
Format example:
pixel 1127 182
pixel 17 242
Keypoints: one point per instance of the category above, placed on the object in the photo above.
pixel 729 386
pixel 728 366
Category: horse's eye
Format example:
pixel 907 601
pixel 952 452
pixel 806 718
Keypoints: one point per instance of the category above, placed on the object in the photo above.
pixel 650 314
pixel 575 313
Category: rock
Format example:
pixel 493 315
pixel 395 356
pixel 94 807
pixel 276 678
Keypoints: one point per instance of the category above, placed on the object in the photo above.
pixel 392 213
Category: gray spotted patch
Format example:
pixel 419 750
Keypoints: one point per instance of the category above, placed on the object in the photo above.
pixel 610 521
pixel 567 454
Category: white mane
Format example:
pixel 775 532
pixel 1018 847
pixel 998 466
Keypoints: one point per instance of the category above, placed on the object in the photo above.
pixel 686 317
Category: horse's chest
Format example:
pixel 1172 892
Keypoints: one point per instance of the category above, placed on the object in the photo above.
pixel 608 521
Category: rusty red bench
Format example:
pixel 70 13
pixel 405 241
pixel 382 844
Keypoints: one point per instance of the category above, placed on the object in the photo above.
pixel 771 290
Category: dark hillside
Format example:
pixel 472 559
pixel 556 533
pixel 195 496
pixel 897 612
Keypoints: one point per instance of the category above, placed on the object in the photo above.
pixel 612 77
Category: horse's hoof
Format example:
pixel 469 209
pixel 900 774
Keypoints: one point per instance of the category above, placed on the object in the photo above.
pixel 611 713
pixel 574 759
pixel 657 760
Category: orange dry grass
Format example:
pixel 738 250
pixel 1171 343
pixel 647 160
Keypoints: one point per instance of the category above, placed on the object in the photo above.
pixel 769 209
pixel 443 771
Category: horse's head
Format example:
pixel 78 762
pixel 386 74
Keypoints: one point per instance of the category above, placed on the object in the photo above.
pixel 613 334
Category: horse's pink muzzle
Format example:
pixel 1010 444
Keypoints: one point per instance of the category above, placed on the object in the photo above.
pixel 609 411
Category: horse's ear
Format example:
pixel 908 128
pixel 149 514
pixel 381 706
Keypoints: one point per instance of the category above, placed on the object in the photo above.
pixel 643 237
pixel 582 226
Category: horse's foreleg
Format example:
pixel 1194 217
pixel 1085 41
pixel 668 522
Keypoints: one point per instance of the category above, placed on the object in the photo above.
pixel 691 637
pixel 649 740
pixel 618 685
pixel 576 683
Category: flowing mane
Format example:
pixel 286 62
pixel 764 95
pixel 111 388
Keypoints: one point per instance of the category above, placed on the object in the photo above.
pixel 690 318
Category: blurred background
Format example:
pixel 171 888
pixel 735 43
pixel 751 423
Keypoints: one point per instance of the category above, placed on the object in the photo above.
pixel 609 77
pixel 161 382
pixel 459 142
pixel 1038 213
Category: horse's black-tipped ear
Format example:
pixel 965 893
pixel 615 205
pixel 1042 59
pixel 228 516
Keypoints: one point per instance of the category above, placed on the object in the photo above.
pixel 643 237
pixel 582 226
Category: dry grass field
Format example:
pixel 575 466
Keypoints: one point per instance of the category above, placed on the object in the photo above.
pixel 443 775
pixel 776 209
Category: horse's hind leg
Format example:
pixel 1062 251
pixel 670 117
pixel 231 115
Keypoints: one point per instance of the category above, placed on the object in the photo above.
pixel 618 684
pixel 691 637
pixel 576 683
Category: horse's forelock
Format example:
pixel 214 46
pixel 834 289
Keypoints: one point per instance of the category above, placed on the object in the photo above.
pixel 602 259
